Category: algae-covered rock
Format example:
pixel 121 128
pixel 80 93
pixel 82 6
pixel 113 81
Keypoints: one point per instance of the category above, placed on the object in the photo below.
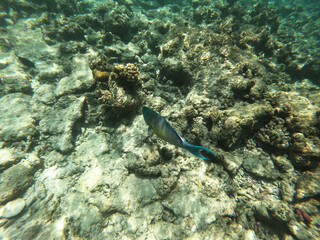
pixel 230 162
pixel 42 100
pixel 283 164
pixel 297 129
pixel 201 209
pixel 7 157
pixel 118 21
pixel 44 94
pixel 86 217
pixel 16 83
pixel 17 121
pixel 135 192
pixel 259 164
pixel 60 121
pixel 175 71
pixel 241 122
pixel 54 158
pixel 15 181
pixel 308 185
pixel 287 189
pixel 278 211
pixel 79 80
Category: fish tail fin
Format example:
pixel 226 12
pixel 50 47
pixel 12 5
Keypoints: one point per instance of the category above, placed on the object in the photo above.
pixel 196 150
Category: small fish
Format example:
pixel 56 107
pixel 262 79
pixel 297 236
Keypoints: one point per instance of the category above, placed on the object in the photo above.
pixel 112 60
pixel 26 62
pixel 166 132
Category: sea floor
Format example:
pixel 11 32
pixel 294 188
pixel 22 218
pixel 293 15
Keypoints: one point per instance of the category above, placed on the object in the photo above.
pixel 241 78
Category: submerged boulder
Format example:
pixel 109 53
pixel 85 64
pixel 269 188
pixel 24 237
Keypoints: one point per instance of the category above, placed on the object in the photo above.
pixel 17 121
pixel 15 181
pixel 60 121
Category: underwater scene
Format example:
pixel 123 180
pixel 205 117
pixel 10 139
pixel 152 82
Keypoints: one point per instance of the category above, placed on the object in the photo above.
pixel 159 120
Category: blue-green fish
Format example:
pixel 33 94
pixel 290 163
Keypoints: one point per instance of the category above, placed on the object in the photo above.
pixel 165 131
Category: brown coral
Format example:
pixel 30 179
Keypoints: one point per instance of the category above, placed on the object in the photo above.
pixel 121 95
pixel 126 75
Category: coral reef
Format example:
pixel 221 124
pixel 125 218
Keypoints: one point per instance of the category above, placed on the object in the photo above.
pixel 238 77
